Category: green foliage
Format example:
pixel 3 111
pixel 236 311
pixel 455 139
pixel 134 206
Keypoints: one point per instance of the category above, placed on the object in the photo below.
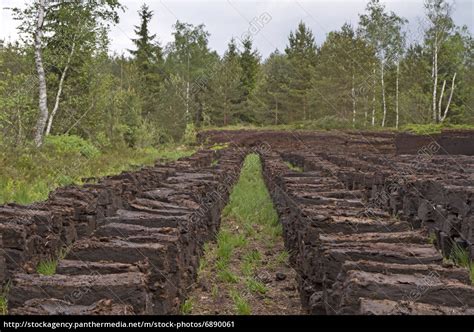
pixel 249 62
pixel 70 144
pixel 190 134
pixel 433 128
pixel 149 100
pixel 47 268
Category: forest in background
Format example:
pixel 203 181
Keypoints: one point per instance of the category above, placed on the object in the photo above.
pixel 64 95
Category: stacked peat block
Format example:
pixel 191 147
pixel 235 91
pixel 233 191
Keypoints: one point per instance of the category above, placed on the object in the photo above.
pixel 434 193
pixel 350 260
pixel 28 236
pixel 143 258
pixel 39 231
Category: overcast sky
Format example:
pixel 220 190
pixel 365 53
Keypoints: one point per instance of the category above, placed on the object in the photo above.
pixel 268 22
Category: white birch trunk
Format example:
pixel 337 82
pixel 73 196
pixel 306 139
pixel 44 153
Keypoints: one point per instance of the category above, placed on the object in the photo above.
pixel 441 99
pixel 353 103
pixel 397 114
pixel 42 90
pixel 383 95
pixel 60 89
pixel 449 99
pixel 435 76
pixel 373 101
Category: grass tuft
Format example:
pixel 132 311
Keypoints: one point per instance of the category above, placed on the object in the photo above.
pixel 294 168
pixel 256 286
pixel 186 307
pixel 227 276
pixel 47 268
pixel 460 257
pixel 242 307
pixel 3 304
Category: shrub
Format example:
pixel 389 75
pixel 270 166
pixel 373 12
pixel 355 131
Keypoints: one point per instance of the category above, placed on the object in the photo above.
pixel 66 144
pixel 433 128
pixel 190 134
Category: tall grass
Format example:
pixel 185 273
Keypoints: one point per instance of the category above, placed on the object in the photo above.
pixel 29 174
pixel 460 257
pixel 250 202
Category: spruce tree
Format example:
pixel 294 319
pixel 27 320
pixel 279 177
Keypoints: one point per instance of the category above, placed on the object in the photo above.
pixel 147 53
pixel 249 61
pixel 148 58
pixel 301 52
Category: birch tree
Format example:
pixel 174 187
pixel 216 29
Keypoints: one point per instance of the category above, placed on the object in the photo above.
pixel 58 30
pixel 440 25
pixel 384 32
pixel 42 88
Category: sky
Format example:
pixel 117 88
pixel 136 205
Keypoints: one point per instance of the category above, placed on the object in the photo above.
pixel 267 22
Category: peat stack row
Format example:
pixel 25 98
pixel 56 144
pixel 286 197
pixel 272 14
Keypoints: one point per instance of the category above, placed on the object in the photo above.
pixel 434 192
pixel 38 232
pixel 350 261
pixel 141 258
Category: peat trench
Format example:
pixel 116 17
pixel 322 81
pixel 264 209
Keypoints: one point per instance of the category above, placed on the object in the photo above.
pixel 131 243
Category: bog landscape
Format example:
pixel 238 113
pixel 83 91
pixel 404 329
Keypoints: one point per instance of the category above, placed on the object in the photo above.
pixel 332 176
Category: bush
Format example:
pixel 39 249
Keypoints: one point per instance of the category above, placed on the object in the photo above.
pixel 66 144
pixel 433 128
pixel 190 134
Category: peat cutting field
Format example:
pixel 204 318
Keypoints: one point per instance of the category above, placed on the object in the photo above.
pixel 256 222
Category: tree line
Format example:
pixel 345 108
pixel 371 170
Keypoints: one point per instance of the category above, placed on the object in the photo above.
pixel 61 77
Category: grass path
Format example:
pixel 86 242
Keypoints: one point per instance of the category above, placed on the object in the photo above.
pixel 246 271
